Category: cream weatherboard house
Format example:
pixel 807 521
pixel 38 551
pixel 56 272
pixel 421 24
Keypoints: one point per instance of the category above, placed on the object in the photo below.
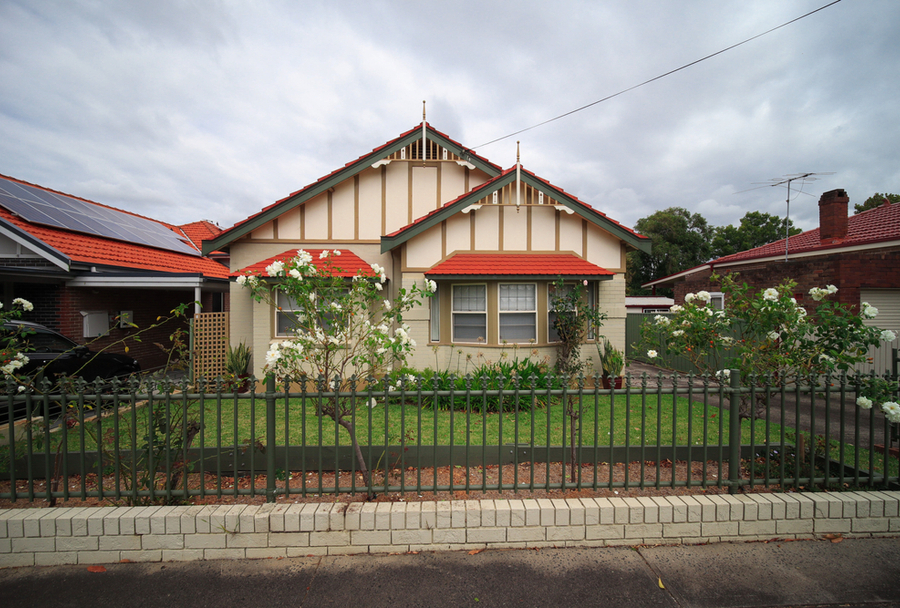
pixel 423 206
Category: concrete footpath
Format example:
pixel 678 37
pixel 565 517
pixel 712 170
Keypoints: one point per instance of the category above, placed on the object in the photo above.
pixel 852 572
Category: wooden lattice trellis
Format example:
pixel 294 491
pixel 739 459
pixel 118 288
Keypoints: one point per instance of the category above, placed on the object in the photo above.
pixel 210 344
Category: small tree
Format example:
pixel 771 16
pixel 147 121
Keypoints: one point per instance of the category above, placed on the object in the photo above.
pixel 574 320
pixel 340 326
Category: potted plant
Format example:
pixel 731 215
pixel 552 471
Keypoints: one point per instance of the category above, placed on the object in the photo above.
pixel 237 366
pixel 612 362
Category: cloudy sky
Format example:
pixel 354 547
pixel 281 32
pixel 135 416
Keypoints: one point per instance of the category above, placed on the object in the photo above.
pixel 212 110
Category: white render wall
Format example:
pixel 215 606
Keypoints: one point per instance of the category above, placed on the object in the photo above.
pixel 105 535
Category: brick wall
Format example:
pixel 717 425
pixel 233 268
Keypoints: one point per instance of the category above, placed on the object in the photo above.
pixel 849 272
pixel 59 308
pixel 105 535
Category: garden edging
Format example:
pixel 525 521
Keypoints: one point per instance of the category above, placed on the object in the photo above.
pixel 103 535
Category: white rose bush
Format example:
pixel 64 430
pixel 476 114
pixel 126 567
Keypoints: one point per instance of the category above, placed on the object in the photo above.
pixel 341 327
pixel 767 334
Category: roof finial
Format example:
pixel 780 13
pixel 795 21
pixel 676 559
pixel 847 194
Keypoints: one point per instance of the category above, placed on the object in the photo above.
pixel 518 179
pixel 423 110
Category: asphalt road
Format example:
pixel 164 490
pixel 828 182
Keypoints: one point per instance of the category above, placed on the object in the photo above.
pixel 854 572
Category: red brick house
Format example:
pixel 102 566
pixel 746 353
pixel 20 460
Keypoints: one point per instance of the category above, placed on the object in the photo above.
pixel 860 255
pixel 85 265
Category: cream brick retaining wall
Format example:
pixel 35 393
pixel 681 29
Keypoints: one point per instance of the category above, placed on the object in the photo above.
pixel 103 535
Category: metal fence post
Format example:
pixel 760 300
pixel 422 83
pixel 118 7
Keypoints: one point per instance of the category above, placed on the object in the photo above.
pixel 734 431
pixel 270 439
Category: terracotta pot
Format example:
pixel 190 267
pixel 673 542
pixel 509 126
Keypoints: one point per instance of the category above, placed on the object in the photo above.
pixel 608 382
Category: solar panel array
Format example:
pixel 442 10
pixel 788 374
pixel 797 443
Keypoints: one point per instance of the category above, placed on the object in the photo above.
pixel 60 211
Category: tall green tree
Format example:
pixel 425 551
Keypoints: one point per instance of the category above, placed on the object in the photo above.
pixel 756 229
pixel 876 200
pixel 681 240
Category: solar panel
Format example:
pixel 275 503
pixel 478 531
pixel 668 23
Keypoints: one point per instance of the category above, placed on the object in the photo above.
pixel 60 211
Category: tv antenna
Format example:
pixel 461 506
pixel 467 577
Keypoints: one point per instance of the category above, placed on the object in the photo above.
pixel 787 179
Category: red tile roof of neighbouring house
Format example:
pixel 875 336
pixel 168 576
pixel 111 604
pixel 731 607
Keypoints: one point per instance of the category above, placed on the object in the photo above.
pixel 871 227
pixel 517 264
pixel 101 251
pixel 197 232
pixel 347 264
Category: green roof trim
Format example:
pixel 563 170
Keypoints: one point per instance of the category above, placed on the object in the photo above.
pixel 229 236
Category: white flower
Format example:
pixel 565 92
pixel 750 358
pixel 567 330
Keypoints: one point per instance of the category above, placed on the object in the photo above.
pixel 661 320
pixel 378 287
pixel 241 280
pixel 275 268
pixel 831 289
pixel 676 309
pixel 21 388
pixel 868 311
pixel 678 332
pixel 817 294
pixel 25 304
pixel 295 273
pixel 891 411
pixel 273 354
pixel 324 254
pixel 652 354
pixel 689 298
pixel 723 374
pixel 823 358
pixel 377 269
pixel 372 403
pixel 312 298
pixel 387 304
pixel 771 294
pixel 336 252
pixel 704 296
pixel 801 312
pixel 432 286
pixel 864 402
pixel 888 336
pixel 304 258
pixel 773 335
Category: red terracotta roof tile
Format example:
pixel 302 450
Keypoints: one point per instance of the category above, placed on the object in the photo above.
pixel 348 263
pixel 198 232
pixel 869 227
pixel 89 249
pixel 517 264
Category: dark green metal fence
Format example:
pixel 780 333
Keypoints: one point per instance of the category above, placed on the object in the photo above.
pixel 179 441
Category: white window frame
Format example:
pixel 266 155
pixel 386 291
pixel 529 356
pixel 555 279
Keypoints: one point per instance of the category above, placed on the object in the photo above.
pixel 717 296
pixel 501 312
pixel 434 303
pixel 454 312
pixel 282 310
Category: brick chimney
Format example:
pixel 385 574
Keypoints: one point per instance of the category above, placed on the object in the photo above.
pixel 833 216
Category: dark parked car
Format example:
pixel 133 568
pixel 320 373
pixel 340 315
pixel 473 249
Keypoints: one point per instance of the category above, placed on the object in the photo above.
pixel 61 356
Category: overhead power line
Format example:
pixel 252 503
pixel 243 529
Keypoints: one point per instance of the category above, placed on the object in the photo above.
pixel 655 78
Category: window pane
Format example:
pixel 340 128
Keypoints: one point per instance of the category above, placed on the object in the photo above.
pixel 285 323
pixel 517 326
pixel 469 297
pixel 469 327
pixel 517 297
